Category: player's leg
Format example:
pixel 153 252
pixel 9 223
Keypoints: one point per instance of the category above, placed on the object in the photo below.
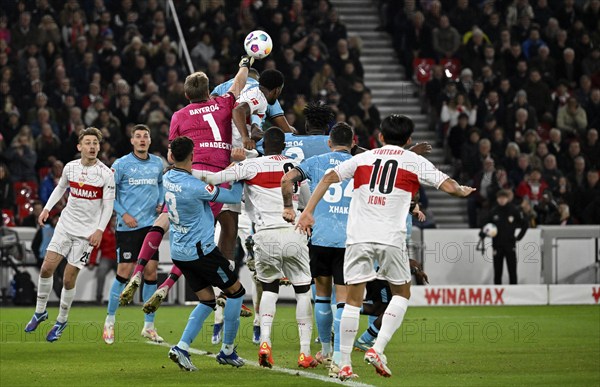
pixel 193 272
pixel 77 258
pixel 161 293
pixel 229 228
pixel 358 269
pixel 511 264
pixel 104 267
pixel 219 316
pixel 257 291
pixel 296 267
pixel 45 282
pixel 150 287
pixel 498 260
pixel 377 298
pixel 395 268
pixel 149 248
pixel 340 294
pixel 323 316
pixel 268 264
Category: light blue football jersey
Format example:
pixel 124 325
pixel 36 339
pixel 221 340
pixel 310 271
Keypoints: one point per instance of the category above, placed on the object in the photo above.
pixel 273 110
pixel 301 147
pixel 331 213
pixel 139 189
pixel 191 220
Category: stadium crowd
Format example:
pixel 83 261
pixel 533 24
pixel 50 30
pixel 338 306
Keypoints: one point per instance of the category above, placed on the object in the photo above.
pixel 68 65
pixel 513 89
pixel 515 96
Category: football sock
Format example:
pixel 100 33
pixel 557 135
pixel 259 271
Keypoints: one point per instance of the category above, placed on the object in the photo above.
pixel 324 319
pixel 147 292
pixel 348 329
pixel 44 289
pixel 66 299
pixel 304 318
pixel 370 334
pixel 336 327
pixel 231 320
pixel 149 247
pixel 371 319
pixel 219 314
pixel 267 314
pixel 392 319
pixel 256 296
pixel 194 324
pixel 174 275
pixel 115 291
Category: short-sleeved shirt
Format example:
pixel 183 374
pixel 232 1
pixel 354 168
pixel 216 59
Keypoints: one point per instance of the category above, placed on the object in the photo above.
pixel 139 189
pixel 90 189
pixel 208 124
pixel 190 217
pixel 385 180
pixel 331 213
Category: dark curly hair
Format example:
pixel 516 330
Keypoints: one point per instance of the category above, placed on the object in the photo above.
pixel 318 116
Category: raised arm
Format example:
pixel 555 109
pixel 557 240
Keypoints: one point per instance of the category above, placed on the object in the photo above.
pixel 240 115
pixel 451 187
pixel 239 82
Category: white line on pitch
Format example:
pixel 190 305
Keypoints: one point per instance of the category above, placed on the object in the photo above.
pixel 288 371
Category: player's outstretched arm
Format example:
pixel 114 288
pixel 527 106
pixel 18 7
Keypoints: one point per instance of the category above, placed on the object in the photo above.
pixel 450 186
pixel 239 82
pixel 306 219
pixel 230 196
pixel 287 190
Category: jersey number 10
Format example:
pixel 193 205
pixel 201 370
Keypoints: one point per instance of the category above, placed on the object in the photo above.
pixel 383 178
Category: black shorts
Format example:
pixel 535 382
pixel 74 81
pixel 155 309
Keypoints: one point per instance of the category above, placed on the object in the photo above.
pixel 129 245
pixel 207 270
pixel 378 291
pixel 326 262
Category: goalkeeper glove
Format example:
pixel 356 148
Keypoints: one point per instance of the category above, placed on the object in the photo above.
pixel 246 61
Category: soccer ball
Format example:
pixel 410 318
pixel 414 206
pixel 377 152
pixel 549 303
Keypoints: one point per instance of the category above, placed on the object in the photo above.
pixel 258 44
pixel 490 230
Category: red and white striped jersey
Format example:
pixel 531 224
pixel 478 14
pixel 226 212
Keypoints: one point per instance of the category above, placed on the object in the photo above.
pixel 91 194
pixel 385 180
pixel 262 191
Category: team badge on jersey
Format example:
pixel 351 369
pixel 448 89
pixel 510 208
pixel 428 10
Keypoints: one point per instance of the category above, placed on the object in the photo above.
pixel 210 189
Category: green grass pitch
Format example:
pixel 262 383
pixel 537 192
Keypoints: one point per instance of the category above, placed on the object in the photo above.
pixel 436 346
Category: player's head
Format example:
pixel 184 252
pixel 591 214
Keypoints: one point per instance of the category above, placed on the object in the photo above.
pixel 396 129
pixel 273 141
pixel 89 143
pixel 272 83
pixel 502 197
pixel 253 73
pixel 318 116
pixel 341 136
pixel 140 138
pixel 196 87
pixel 182 149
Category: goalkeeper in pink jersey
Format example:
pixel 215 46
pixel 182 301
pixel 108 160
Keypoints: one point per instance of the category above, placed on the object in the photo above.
pixel 207 121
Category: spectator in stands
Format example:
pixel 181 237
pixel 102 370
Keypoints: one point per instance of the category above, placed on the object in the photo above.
pixel 532 187
pixel 510 160
pixel 320 80
pixel 512 58
pixel 491 105
pixel 568 68
pixel 456 106
pixel 24 33
pixel 446 39
pixel 563 191
pixel 50 181
pixel 7 193
pixel 529 214
pixel 576 175
pixel 517 176
pixel 551 174
pixel 547 210
pixel 505 92
pixel 583 93
pixel 47 146
pixel 465 81
pixel 486 184
pixel 32 219
pixel 368 112
pixel 332 30
pixel 493 27
pixel 343 55
pixel 545 64
pixel 538 93
pixel 499 142
pixel 591 148
pixel 533 43
pixel 457 136
pixel 586 193
pixel 572 119
pixel 21 159
pixel 477 93
pixel 593 109
pixel 462 16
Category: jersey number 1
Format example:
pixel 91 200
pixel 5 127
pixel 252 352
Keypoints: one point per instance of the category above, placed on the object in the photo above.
pixel 383 177
pixel 213 126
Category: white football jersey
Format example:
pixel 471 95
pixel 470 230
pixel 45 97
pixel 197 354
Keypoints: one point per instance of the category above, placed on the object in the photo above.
pixel 385 180
pixel 257 101
pixel 262 188
pixel 90 189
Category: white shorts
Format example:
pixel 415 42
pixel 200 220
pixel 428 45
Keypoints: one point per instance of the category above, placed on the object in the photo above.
pixel 237 207
pixel 361 258
pixel 282 252
pixel 75 249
